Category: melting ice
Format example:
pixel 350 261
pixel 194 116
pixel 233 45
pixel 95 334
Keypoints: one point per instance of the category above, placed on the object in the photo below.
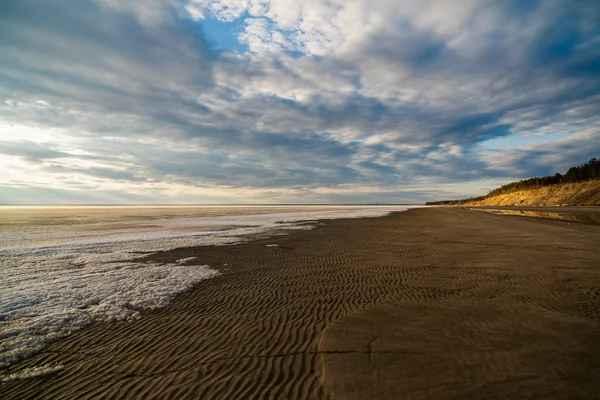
pixel 59 277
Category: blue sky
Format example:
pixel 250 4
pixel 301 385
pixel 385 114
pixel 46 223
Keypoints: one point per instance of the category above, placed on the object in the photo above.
pixel 273 101
pixel 222 35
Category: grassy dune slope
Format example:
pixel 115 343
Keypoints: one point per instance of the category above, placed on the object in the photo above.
pixel 580 193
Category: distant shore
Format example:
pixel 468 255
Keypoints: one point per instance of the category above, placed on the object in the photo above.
pixel 431 303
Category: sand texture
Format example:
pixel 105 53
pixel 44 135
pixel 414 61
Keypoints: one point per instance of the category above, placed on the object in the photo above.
pixel 437 303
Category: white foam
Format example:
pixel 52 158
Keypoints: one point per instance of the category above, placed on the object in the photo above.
pixel 59 278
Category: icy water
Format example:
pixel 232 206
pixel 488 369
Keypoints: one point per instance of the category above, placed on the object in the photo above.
pixel 62 268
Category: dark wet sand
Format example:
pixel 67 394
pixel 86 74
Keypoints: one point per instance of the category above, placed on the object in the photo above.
pixel 591 210
pixel 588 214
pixel 438 303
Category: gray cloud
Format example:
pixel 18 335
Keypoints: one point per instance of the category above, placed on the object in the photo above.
pixel 137 94
pixel 32 151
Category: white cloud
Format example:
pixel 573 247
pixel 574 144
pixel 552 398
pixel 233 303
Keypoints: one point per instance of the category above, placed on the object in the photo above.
pixel 333 94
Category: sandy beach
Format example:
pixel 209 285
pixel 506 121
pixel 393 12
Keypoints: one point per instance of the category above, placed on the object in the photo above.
pixel 431 303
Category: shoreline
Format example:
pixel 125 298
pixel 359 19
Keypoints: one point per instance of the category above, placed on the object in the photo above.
pixel 325 308
pixel 63 270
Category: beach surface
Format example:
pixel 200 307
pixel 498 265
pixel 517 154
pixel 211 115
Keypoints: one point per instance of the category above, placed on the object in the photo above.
pixel 430 303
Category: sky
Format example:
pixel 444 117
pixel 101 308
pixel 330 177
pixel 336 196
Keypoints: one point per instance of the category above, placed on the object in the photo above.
pixel 281 101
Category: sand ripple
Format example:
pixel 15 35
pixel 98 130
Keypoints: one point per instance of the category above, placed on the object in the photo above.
pixel 401 302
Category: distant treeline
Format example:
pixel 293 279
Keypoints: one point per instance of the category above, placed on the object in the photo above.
pixel 585 172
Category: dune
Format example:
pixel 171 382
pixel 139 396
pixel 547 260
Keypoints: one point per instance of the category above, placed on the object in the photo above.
pixel 585 193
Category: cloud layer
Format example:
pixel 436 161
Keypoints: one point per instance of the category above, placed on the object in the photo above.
pixel 323 101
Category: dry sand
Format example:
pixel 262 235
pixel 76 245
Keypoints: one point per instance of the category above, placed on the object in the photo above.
pixel 439 303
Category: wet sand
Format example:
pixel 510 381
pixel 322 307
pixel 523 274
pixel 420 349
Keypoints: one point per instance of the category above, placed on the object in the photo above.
pixel 587 214
pixel 591 210
pixel 436 303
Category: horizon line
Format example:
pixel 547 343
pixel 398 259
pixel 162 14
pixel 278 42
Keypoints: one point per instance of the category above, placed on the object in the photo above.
pixel 200 204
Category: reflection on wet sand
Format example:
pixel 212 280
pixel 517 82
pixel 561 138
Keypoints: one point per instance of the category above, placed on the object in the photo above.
pixel 593 218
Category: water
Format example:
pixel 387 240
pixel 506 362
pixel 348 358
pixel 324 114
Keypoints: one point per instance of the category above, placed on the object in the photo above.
pixel 63 268
pixel 591 216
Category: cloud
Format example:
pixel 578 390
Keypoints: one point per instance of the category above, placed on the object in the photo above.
pixel 30 150
pixel 366 97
